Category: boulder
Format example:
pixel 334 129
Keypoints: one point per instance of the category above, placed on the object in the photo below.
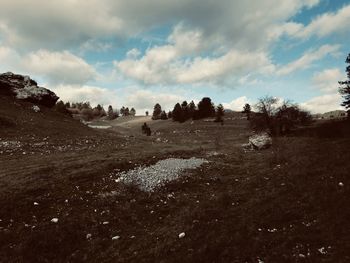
pixel 24 88
pixel 260 141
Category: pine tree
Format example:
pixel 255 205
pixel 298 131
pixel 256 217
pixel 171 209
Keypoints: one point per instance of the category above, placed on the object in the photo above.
pixel 191 109
pixel 178 113
pixel 219 113
pixel 110 113
pixel 344 88
pixel 185 110
pixel 205 108
pixel 122 111
pixel 132 112
pixel 247 110
pixel 163 116
pixel 156 112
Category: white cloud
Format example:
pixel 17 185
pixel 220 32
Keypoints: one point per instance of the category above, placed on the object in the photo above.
pixel 306 60
pixel 322 104
pixel 46 24
pixel 94 95
pixel 169 63
pixel 59 67
pixel 94 45
pixel 9 58
pixel 327 80
pixel 133 53
pixel 327 24
pixel 237 104
pixel 143 100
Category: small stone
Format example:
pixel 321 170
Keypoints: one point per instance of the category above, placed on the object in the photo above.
pixel 54 220
pixel 182 235
pixel 341 184
pixel 35 203
pixel 88 236
pixel 115 237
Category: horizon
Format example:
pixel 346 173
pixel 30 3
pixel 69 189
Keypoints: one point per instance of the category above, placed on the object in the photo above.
pixel 146 52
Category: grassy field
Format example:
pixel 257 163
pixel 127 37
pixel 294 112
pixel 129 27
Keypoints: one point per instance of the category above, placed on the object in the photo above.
pixel 289 203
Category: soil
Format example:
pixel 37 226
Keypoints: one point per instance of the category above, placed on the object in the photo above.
pixel 288 203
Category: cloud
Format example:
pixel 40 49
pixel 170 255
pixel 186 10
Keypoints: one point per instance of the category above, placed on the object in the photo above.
pixel 324 103
pixel 9 58
pixel 170 63
pixel 133 53
pixel 306 60
pixel 327 24
pixel 52 24
pixel 327 80
pixel 143 100
pixel 59 67
pixel 77 93
pixel 237 104
pixel 96 46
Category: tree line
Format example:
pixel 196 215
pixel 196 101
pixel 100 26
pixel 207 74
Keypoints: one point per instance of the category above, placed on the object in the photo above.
pixel 186 111
pixel 87 112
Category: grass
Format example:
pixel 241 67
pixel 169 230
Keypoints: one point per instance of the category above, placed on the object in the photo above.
pixel 283 204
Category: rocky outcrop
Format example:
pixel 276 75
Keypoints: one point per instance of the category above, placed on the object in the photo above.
pixel 24 88
pixel 260 141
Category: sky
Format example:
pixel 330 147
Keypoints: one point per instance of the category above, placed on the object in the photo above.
pixel 140 52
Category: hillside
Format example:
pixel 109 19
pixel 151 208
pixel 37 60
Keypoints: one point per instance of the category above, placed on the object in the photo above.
pixel 288 203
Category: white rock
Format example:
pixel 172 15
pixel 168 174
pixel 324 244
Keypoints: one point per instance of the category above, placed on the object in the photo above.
pixel 182 235
pixel 36 108
pixel 260 141
pixel 88 236
pixel 35 203
pixel 341 184
pixel 115 237
pixel 322 250
pixel 54 220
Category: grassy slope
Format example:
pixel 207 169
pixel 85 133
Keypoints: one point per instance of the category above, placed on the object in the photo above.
pixel 275 205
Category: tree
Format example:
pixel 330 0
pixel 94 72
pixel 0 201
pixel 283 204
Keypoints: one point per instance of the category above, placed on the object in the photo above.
pixel 170 115
pixel 344 88
pixel 278 120
pixel 267 107
pixel 126 111
pixel 163 116
pixel 61 107
pixel 111 114
pixel 247 110
pixel 132 112
pixel 206 108
pixel 178 113
pixel 156 112
pixel 185 111
pixel 219 113
pixel 147 113
pixel 122 111
pixel 191 109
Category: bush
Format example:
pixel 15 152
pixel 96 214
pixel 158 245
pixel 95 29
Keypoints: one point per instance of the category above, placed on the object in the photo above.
pixel 278 120
pixel 87 114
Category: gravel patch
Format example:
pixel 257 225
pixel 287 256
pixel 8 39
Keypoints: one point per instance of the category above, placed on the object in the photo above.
pixel 149 178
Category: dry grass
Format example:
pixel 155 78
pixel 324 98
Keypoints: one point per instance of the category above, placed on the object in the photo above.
pixel 276 205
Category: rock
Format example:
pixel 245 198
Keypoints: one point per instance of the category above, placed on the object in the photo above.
pixel 182 235
pixel 36 108
pixel 24 88
pixel 260 141
pixel 115 237
pixel 54 220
